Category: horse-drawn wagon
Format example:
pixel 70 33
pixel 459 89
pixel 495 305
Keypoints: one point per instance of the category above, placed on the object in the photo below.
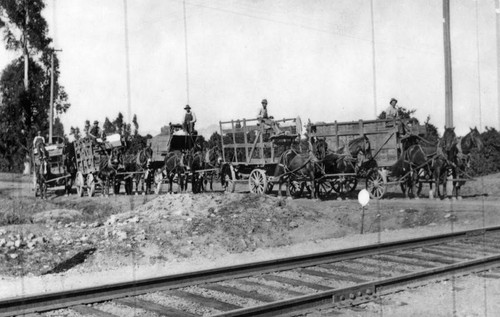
pixel 251 150
pixel 96 164
pixel 172 158
pixel 366 149
pixel 52 166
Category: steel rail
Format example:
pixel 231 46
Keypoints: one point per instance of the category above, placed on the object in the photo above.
pixel 57 300
pixel 361 292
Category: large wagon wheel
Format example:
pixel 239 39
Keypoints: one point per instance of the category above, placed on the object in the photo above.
pixel 79 183
pixel 257 182
pixel 90 185
pixel 376 183
pixel 344 184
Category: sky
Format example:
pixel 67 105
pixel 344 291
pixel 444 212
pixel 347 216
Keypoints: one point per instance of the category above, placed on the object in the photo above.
pixel 308 58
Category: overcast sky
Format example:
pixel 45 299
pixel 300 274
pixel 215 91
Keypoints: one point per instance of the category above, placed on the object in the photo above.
pixel 308 58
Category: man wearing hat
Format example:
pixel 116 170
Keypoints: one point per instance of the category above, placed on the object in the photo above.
pixel 95 131
pixel 189 120
pixel 264 117
pixel 392 110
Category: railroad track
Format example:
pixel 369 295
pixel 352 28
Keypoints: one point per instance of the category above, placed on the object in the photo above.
pixel 285 286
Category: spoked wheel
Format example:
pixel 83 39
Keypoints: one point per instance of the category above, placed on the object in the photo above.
pixel 79 183
pixel 257 182
pixel 295 188
pixel 90 185
pixel 376 183
pixel 325 189
pixel 344 185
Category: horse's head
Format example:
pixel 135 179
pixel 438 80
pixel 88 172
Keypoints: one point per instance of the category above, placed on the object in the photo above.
pixel 476 139
pixel 449 139
pixel 360 145
pixel 320 148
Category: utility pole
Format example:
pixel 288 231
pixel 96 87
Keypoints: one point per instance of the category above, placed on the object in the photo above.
pixel 497 14
pixel 447 65
pixel 51 111
pixel 374 65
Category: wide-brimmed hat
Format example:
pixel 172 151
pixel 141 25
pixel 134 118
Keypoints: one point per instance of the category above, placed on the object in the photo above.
pixel 264 101
pixel 187 107
pixel 96 122
pixel 393 99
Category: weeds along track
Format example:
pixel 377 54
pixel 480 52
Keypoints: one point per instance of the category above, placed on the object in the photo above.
pixel 281 286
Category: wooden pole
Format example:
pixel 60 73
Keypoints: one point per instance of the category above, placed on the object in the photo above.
pixel 373 62
pixel 497 14
pixel 447 65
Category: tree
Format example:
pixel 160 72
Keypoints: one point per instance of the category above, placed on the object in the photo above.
pixel 118 123
pixel 108 127
pixel 58 128
pixel 136 125
pixel 24 112
pixel 24 29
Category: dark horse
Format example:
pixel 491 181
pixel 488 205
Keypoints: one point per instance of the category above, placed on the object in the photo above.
pixel 293 166
pixel 175 166
pixel 418 161
pixel 109 164
pixel 136 168
pixel 462 156
pixel 70 166
pixel 203 160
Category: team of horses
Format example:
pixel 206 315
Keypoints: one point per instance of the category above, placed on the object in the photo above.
pixel 419 161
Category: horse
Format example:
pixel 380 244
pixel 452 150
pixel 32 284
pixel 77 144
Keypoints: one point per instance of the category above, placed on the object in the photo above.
pixel 292 166
pixel 465 145
pixel 175 165
pixel 109 165
pixel 203 160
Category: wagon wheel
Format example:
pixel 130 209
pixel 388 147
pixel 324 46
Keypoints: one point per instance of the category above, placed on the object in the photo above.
pixel 35 185
pixel 257 182
pixel 295 188
pixel 344 185
pixel 79 182
pixel 376 183
pixel 324 189
pixel 90 185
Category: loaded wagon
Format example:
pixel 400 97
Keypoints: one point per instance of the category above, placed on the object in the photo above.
pixel 175 140
pixel 55 172
pixel 251 150
pixel 387 139
pixel 94 169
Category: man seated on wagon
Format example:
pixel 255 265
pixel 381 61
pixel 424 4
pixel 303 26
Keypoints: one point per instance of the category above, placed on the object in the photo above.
pixel 268 121
pixel 95 132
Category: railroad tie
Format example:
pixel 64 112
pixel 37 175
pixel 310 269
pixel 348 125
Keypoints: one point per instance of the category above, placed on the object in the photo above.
pixel 90 311
pixel 295 282
pixel 202 300
pixel 238 292
pixel 135 302
pixel 329 275
pixel 269 287
pixel 351 270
